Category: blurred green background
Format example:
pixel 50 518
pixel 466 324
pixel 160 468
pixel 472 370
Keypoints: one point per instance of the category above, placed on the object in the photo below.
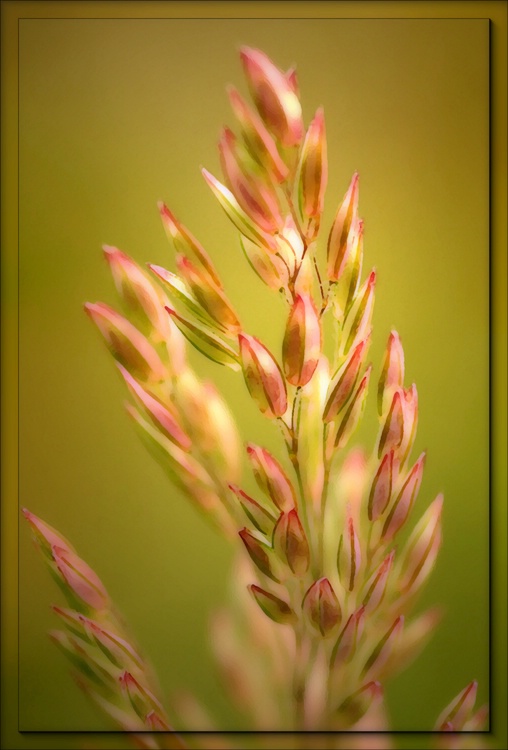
pixel 118 114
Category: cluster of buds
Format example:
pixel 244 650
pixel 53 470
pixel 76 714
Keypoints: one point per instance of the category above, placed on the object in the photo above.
pixel 318 544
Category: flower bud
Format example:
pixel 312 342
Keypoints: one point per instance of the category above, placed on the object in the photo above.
pixel 313 169
pixel 301 348
pixel 322 607
pixel 269 267
pixel 276 609
pixel 263 377
pixel 393 427
pixel 358 322
pixel 116 649
pixel 409 400
pixel 384 649
pixel 342 384
pixel 251 192
pixel 163 416
pixel 259 553
pixel 349 639
pixel 83 660
pixel 349 557
pixel 156 723
pixel 337 241
pixel 275 99
pixel 271 477
pixel 421 550
pixel 209 296
pixel 73 621
pixel 80 579
pixel 345 288
pixel 353 413
pixel 404 501
pixel 358 703
pixel 186 243
pixel 458 711
pixel 392 373
pixel 138 292
pixel 381 489
pixel 290 542
pixel 45 536
pixel 141 699
pixel 205 340
pixel 375 587
pixel 260 143
pixel 261 518
pixel 127 345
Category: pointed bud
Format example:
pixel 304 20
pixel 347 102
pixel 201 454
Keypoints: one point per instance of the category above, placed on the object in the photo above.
pixel 163 416
pixel 268 266
pixel 358 321
pixel 45 536
pixel 313 169
pixel 375 587
pixel 384 649
pixel 409 400
pixel 186 243
pixel 181 291
pixel 256 198
pixel 73 621
pixel 381 489
pixel 259 142
pixel 276 609
pixel 337 241
pixel 116 649
pixel 359 702
pixel 141 699
pixel 290 542
pixel 205 340
pixel 478 722
pixel 420 553
pixel 416 636
pixel 343 382
pixel 292 79
pixel 271 477
pixel 126 343
pixel 81 658
pixel 259 553
pixel 261 518
pixel 275 99
pixel 156 723
pixel 345 288
pixel 393 427
pixel 263 377
pixel 354 412
pixel 458 711
pixel 349 557
pixel 138 292
pixel 301 348
pixel 349 639
pixel 236 214
pixel 404 501
pixel 209 296
pixel 392 373
pixel 82 581
pixel 322 607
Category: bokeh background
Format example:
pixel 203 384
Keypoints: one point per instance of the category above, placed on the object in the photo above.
pixel 118 114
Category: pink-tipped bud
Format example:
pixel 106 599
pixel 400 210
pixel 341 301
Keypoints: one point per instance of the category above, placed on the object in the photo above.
pixel 268 266
pixel 358 703
pixel 138 292
pixel 276 609
pixel 275 99
pixel 186 243
pixel 459 710
pixel 263 377
pixel 375 587
pixel 271 477
pixel 381 488
pixel 354 411
pixel 321 607
pixel 393 427
pixel 392 373
pixel 117 649
pixel 259 553
pixel 314 169
pixel 349 557
pixel 420 553
pixel 80 579
pixel 343 382
pixel 404 501
pixel 344 289
pixel 301 348
pixel 349 639
pixel 290 542
pixel 209 295
pixel 260 517
pixel 259 142
pixel 73 621
pixel 256 198
pixel 126 343
pixel 384 649
pixel 409 400
pixel 358 321
pixel 292 79
pixel 164 416
pixel 140 697
pixel 156 723
pixel 45 536
pixel 337 241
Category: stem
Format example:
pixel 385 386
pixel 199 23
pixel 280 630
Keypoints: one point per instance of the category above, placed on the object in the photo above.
pixel 327 467
pixel 323 298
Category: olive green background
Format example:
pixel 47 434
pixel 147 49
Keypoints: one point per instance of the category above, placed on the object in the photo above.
pixel 117 114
